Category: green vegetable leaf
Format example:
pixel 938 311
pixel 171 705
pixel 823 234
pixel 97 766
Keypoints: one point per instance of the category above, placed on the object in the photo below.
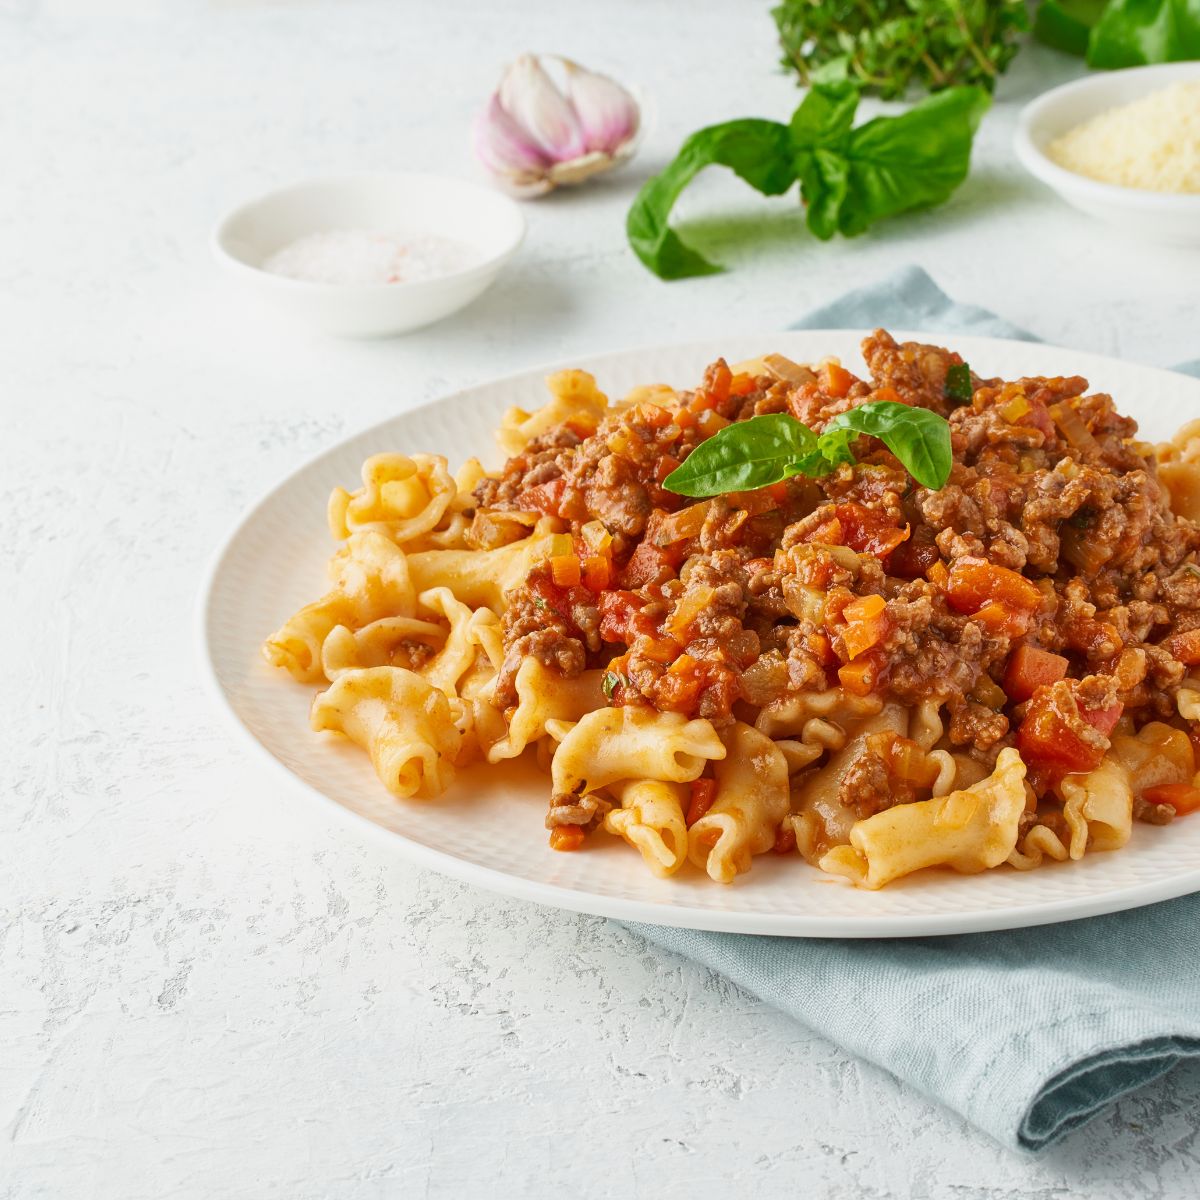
pixel 825 115
pixel 958 383
pixel 919 438
pixel 763 450
pixel 610 683
pixel 745 455
pixel 1132 33
pixel 758 151
pixel 1067 24
pixel 892 164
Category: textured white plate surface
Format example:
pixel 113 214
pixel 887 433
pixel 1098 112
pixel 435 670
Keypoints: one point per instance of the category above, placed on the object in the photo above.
pixel 487 829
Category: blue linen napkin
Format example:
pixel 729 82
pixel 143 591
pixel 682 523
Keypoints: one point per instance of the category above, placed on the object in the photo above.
pixel 1029 1033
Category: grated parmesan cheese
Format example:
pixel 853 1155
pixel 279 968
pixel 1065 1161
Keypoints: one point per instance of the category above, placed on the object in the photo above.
pixel 358 256
pixel 1152 144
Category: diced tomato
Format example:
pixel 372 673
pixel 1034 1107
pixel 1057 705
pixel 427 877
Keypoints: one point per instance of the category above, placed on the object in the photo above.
pixel 836 380
pixel 650 564
pixel 665 465
pixel 566 837
pixel 785 838
pixel 704 792
pixel 1047 740
pixel 1030 668
pixel 974 582
pixel 912 559
pixel 621 617
pixel 543 498
pixel 1103 720
pixel 778 491
pixel 864 530
pixel 1186 647
pixel 1182 797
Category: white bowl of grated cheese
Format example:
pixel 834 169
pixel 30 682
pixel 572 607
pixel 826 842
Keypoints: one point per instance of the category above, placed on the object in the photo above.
pixel 1123 146
pixel 370 255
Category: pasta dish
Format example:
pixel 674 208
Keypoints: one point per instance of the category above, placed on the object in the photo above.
pixel 921 619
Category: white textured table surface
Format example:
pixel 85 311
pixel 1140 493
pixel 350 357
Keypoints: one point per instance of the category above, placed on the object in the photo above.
pixel 206 989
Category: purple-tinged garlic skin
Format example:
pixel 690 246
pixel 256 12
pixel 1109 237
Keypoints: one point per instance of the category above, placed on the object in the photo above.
pixel 535 134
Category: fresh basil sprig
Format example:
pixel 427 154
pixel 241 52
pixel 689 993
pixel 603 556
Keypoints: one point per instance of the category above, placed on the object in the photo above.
pixel 763 450
pixel 1122 33
pixel 849 177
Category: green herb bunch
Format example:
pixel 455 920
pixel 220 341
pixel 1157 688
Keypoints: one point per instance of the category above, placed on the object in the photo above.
pixel 890 46
pixel 850 176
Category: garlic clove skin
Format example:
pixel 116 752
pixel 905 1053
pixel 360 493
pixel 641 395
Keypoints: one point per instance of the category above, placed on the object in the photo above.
pixel 529 96
pixel 502 146
pixel 608 115
pixel 535 135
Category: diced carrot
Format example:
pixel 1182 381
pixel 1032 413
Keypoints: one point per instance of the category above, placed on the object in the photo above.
pixel 718 379
pixel 938 575
pixel 566 837
pixel 974 582
pixel 858 678
pixel 684 418
pixel 1182 797
pixel 864 608
pixel 710 422
pixel 653 415
pixel 1030 668
pixel 660 650
pixel 836 380
pixel 828 533
pixel 887 393
pixel 597 573
pixel 1186 647
pixel 564 570
pixel 704 792
pixel 741 385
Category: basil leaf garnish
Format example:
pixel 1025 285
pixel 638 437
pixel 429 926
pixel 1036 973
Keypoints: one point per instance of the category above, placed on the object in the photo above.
pixel 743 456
pixel 919 438
pixel 958 383
pixel 763 450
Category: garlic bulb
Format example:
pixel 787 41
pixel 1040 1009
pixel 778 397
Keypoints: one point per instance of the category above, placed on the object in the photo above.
pixel 535 135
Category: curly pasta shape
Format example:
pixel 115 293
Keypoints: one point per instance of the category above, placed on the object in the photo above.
pixel 403 723
pixel 401 497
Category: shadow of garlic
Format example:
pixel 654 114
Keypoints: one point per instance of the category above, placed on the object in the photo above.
pixel 536 133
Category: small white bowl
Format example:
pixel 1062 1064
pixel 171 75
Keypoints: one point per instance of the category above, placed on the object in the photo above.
pixel 1158 216
pixel 406 204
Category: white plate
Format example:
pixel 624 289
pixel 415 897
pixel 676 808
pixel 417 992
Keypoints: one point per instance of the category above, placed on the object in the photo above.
pixel 488 829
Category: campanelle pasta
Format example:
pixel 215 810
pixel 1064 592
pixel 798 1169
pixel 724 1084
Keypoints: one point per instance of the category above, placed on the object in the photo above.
pixel 843 666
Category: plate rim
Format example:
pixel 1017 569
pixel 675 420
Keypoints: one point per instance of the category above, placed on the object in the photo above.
pixel 800 924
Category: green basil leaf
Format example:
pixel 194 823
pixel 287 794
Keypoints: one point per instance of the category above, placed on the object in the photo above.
pixel 825 115
pixel 1067 24
pixel 893 164
pixel 834 445
pixel 1131 33
pixel 919 438
pixel 760 152
pixel 742 456
pixel 958 384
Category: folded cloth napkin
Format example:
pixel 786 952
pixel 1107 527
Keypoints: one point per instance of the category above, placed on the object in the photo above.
pixel 1029 1033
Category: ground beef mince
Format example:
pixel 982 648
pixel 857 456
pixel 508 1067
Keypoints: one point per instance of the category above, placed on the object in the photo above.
pixel 1046 597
